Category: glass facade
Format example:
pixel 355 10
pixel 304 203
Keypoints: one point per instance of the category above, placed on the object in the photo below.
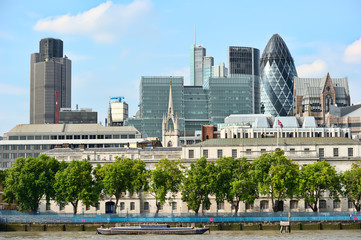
pixel 234 95
pixel 195 105
pixel 243 60
pixel 277 76
pixel 196 69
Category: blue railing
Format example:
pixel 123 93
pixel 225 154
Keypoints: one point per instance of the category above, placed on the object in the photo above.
pixel 17 217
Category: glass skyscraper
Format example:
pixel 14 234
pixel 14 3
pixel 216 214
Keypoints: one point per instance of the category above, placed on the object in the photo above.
pixel 196 69
pixel 277 72
pixel 195 105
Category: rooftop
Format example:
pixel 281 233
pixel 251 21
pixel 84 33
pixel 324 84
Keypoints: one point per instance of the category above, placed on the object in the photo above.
pixel 273 141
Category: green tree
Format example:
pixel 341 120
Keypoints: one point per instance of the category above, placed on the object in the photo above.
pixel 29 180
pixel 197 184
pixel 351 181
pixel 75 183
pixel 243 184
pixel 165 179
pixel 125 175
pixel 315 179
pixel 277 177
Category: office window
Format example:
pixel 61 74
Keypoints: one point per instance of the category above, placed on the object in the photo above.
pixel 92 136
pixel 263 150
pixel 22 137
pixel 46 137
pixel 37 147
pixel 122 205
pixel 132 206
pixel 76 136
pixel 47 206
pixel 350 152
pixel 61 207
pixel 37 137
pixel 350 204
pixel 248 151
pixel 13 147
pixel 205 153
pixel 294 204
pixel 146 206
pixel 84 137
pixel 54 137
pixel 191 154
pixel 108 136
pixel 21 147
pixel 115 136
pixel 219 153
pixel 264 204
pixel 100 137
pixel 234 153
pixel 131 136
pixel 307 150
pixel 220 205
pixel 335 152
pixel 249 206
pixel 61 137
pixel 292 151
pixel 321 152
pixel 174 205
pixel 322 204
pixel 336 204
pixel 123 136
pixel 30 137
pixel 110 157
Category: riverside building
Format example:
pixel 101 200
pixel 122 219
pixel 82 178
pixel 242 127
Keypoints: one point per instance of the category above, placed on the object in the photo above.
pixel 29 140
pixel 338 151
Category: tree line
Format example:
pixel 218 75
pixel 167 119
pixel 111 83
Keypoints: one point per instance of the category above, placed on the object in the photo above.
pixel 235 180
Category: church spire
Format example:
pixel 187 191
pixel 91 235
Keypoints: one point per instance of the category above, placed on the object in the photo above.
pixel 170 103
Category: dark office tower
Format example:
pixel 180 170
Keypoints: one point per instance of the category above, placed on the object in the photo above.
pixel 50 82
pixel 50 48
pixel 243 60
pixel 277 73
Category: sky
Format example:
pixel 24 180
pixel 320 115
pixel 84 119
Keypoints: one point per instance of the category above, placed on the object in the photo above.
pixel 113 43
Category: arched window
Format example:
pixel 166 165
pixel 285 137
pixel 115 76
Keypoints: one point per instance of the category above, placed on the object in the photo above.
pixel 328 103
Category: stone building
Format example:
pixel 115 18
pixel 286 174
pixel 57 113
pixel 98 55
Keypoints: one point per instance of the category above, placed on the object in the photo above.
pixel 314 96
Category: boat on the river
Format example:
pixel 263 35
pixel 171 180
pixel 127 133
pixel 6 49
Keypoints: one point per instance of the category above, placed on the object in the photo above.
pixel 161 229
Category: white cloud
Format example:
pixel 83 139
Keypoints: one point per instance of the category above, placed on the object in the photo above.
pixel 316 69
pixel 352 52
pixel 104 23
pixel 6 89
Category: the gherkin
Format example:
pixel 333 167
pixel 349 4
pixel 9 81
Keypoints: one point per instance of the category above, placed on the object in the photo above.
pixel 277 73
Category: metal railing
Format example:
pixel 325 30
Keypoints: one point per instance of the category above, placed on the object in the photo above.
pixel 51 218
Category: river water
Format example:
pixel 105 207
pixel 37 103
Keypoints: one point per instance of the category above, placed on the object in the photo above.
pixel 222 235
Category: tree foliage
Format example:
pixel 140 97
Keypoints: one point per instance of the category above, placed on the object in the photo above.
pixel 277 177
pixel 165 179
pixel 125 175
pixel 197 184
pixel 75 183
pixel 316 179
pixel 351 180
pixel 243 184
pixel 29 180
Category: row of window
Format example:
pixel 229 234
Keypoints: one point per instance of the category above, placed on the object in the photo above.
pixel 61 137
pixel 248 151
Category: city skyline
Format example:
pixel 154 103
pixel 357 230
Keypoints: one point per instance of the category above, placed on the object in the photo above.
pixel 113 44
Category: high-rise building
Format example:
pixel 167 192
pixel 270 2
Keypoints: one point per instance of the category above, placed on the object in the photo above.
pixel 194 105
pixel 208 63
pixel 50 82
pixel 117 112
pixel 196 70
pixel 243 60
pixel 277 73
pixel 220 70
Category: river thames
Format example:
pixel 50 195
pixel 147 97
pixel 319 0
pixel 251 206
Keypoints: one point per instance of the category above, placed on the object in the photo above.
pixel 226 235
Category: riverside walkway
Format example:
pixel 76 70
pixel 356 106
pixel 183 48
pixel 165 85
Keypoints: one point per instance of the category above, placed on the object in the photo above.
pixel 17 217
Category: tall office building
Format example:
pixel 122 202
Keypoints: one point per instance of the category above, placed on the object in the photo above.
pixel 277 76
pixel 243 60
pixel 208 63
pixel 196 71
pixel 50 82
pixel 220 70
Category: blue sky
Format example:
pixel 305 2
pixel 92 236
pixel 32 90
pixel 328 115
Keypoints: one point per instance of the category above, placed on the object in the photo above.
pixel 113 43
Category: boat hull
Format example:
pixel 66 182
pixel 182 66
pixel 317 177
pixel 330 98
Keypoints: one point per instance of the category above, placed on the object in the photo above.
pixel 169 231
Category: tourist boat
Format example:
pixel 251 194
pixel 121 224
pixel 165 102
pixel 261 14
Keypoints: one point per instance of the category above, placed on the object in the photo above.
pixel 151 229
